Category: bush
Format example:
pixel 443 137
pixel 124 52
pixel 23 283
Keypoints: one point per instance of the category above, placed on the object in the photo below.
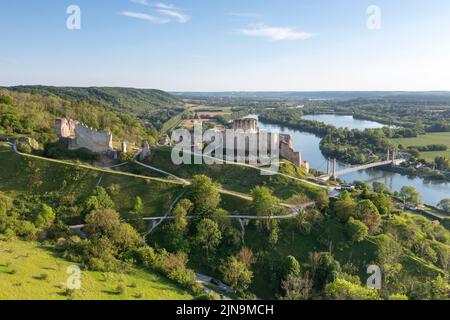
pixel 24 147
pixel 25 229
pixel 120 289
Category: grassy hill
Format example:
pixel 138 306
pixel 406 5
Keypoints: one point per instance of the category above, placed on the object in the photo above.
pixel 238 178
pixel 29 270
pixel 65 188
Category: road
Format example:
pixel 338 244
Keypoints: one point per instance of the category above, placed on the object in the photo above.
pixel 295 211
pixel 203 279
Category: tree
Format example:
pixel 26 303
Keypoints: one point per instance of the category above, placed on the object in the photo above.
pixel 204 194
pixel 410 195
pixel 324 268
pixel 383 202
pixel 368 213
pixel 136 214
pixel 208 235
pixel 264 204
pixel 435 289
pixel 125 237
pixel 102 222
pixel 4 207
pixel 180 213
pixel 246 257
pixel 356 230
pixel 344 207
pixel 379 187
pixel 138 209
pixel 296 287
pixel 445 205
pixel 237 275
pixel 274 231
pixel 46 217
pixel 99 200
pixel 442 163
pixel 291 266
pixel 341 289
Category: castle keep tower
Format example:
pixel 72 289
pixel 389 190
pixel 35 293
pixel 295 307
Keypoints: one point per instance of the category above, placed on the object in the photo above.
pixel 247 125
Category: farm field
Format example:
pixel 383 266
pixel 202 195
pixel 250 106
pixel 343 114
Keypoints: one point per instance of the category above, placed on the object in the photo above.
pixel 428 139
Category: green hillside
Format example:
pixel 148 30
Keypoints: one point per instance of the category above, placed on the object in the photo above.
pixel 66 188
pixel 29 270
pixel 123 99
pixel 133 115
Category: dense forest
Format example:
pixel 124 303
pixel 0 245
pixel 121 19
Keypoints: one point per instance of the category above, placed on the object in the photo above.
pixel 130 114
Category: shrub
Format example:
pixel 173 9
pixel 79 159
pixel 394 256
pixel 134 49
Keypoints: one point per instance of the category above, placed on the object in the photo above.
pixel 120 289
pixel 24 148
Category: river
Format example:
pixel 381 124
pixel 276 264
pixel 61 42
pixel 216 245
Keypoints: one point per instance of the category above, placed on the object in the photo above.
pixel 308 144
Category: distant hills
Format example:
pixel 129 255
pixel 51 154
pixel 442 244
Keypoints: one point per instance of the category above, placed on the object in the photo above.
pixel 322 95
pixel 137 101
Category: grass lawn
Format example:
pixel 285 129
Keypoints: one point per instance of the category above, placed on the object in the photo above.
pixel 428 139
pixel 29 270
pixel 237 178
pixel 55 183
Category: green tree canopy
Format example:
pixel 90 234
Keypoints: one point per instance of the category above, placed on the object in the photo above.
pixel 208 235
pixel 380 187
pixel 445 205
pixel 368 213
pixel 102 222
pixel 237 275
pixel 341 289
pixel 356 230
pixel 204 194
pixel 46 217
pixel 264 203
pixel 99 200
pixel 410 195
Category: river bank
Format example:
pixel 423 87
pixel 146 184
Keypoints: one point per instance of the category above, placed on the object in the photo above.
pixel 433 191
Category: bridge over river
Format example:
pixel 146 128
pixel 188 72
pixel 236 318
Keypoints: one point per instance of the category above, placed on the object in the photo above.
pixel 332 172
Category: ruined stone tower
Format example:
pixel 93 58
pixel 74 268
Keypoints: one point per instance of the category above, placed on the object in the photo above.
pixel 77 135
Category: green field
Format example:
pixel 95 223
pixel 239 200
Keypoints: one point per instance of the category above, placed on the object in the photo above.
pixel 32 271
pixel 238 178
pixel 60 185
pixel 427 139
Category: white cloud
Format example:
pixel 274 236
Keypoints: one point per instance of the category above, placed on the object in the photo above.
pixel 143 2
pixel 144 16
pixel 172 11
pixel 275 33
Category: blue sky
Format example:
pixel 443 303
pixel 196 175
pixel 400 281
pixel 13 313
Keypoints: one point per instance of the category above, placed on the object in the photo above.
pixel 227 45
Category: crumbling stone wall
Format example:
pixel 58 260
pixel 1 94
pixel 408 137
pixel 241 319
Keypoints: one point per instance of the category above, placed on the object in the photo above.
pixel 65 128
pixel 78 135
pixel 245 124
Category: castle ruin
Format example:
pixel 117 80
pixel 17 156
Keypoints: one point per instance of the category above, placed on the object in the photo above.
pixel 77 136
pixel 247 129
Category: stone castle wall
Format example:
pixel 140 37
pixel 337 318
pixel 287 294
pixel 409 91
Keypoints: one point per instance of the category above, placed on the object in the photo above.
pixel 65 128
pixel 247 130
pixel 78 135
pixel 245 124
